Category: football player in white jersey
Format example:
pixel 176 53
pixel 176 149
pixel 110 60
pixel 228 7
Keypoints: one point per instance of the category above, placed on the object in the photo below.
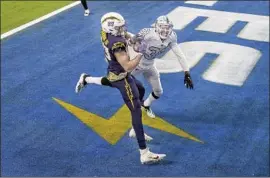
pixel 157 40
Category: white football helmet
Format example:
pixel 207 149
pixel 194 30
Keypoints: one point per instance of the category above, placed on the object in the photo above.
pixel 163 27
pixel 113 23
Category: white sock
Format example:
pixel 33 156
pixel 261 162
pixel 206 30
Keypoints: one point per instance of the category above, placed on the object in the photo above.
pixel 95 80
pixel 149 100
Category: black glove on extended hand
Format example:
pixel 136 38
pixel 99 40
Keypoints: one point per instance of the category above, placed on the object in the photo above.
pixel 187 81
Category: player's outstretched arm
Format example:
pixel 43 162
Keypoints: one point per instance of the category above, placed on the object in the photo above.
pixel 123 58
pixel 180 56
pixel 138 38
pixel 183 62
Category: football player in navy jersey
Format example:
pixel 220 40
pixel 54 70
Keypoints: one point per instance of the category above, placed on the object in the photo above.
pixel 118 76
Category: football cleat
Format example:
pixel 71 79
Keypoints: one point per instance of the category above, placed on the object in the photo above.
pixel 132 134
pixel 147 157
pixel 81 83
pixel 149 111
pixel 86 12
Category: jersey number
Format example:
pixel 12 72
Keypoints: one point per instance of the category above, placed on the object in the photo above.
pixel 232 66
pixel 155 51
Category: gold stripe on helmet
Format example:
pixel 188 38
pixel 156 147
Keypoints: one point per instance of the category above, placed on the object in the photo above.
pixel 111 17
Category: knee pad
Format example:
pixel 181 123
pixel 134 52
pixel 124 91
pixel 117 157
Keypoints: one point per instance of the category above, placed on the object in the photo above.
pixel 141 89
pixel 157 93
pixel 105 81
pixel 141 92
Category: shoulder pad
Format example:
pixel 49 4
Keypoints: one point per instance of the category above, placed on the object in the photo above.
pixel 118 46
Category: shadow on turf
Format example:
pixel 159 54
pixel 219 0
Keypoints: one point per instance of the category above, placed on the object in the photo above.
pixel 163 162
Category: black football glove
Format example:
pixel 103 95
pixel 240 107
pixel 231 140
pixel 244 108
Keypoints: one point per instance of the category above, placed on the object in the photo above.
pixel 187 81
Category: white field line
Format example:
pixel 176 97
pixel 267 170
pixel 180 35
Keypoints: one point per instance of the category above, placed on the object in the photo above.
pixel 204 3
pixel 22 27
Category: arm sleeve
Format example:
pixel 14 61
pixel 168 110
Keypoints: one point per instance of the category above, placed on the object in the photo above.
pixel 178 52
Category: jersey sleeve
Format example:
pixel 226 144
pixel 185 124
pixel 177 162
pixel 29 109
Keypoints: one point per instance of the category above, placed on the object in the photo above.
pixel 178 52
pixel 173 39
pixel 118 47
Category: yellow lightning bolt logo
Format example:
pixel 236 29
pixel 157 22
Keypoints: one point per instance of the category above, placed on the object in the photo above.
pixel 113 129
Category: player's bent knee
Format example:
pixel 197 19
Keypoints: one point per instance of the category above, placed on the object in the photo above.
pixel 141 90
pixel 105 81
pixel 157 93
pixel 136 104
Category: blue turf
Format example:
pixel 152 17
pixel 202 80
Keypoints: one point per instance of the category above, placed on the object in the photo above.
pixel 39 138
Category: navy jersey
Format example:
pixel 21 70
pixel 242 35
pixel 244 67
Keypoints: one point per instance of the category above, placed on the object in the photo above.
pixel 111 45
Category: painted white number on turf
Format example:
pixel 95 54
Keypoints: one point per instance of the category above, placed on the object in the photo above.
pixel 232 66
pixel 203 3
pixel 257 27
pixel 234 62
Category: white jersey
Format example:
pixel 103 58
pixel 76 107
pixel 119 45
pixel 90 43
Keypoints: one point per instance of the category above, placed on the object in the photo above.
pixel 156 47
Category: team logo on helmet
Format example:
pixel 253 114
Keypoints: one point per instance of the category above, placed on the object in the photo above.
pixel 113 23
